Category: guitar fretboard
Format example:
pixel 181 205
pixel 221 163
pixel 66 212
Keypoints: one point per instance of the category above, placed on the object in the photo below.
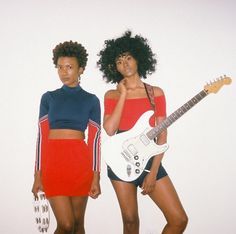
pixel 176 115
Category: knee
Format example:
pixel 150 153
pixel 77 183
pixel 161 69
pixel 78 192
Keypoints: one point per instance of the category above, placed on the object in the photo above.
pixel 66 227
pixel 180 222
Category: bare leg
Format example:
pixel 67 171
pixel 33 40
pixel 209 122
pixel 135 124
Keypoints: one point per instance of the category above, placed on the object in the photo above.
pixel 79 207
pixel 166 198
pixel 63 211
pixel 127 197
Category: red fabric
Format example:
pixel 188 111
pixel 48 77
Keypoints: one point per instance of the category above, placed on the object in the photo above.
pixel 67 168
pixel 94 144
pixel 134 108
pixel 41 141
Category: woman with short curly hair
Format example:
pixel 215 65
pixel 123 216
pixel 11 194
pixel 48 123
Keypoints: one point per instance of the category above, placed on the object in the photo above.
pixel 126 61
pixel 67 168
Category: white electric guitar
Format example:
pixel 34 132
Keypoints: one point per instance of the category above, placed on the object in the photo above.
pixel 127 153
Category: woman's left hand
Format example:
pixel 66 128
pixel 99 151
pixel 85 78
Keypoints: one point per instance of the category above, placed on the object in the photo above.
pixel 148 184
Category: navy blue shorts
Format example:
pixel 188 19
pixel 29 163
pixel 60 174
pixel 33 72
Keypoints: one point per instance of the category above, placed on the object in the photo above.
pixel 139 181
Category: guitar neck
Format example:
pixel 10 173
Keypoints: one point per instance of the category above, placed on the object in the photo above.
pixel 176 115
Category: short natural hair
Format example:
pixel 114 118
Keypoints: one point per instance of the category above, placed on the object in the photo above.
pixel 136 46
pixel 71 49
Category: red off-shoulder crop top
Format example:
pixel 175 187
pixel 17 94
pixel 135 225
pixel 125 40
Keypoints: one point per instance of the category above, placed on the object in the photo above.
pixel 134 108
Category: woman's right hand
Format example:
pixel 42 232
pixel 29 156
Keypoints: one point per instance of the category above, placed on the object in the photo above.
pixel 121 87
pixel 37 185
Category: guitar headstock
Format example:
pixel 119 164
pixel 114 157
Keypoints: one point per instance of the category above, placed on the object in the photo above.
pixel 215 86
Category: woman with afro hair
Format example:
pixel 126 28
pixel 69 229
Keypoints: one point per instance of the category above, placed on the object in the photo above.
pixel 67 167
pixel 126 61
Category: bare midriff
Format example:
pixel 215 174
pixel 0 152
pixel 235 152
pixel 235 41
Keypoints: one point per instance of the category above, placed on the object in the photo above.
pixel 65 134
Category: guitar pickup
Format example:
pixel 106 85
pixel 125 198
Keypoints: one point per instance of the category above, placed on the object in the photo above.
pixel 144 139
pixel 132 149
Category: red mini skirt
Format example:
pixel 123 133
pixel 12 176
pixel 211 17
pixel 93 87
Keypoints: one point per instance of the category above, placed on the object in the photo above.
pixel 66 168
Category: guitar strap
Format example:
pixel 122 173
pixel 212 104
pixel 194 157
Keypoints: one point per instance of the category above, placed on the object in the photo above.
pixel 150 93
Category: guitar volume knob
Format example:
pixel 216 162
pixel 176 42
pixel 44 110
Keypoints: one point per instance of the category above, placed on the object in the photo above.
pixel 137 171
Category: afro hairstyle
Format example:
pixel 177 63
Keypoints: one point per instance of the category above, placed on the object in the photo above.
pixel 136 46
pixel 70 49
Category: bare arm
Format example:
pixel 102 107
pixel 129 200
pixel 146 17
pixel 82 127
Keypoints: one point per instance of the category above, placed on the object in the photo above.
pixel 150 180
pixel 162 138
pixel 37 185
pixel 111 122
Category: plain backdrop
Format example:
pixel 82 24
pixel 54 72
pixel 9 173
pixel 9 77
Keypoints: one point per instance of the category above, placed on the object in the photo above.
pixel 195 43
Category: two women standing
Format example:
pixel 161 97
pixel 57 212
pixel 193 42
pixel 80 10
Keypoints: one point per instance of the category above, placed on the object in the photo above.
pixel 69 110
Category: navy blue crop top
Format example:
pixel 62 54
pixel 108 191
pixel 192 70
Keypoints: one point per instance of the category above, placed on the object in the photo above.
pixel 70 108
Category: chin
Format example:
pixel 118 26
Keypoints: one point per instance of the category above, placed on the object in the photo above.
pixel 66 83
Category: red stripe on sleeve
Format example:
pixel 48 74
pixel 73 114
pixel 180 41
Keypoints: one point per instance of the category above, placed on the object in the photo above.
pixel 43 130
pixel 94 144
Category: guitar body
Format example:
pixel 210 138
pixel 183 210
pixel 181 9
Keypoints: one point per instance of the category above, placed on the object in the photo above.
pixel 127 153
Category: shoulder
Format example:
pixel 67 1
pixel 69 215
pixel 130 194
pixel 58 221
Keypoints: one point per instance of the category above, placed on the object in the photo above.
pixel 52 92
pixel 45 95
pixel 90 97
pixel 88 94
pixel 112 94
pixel 158 91
pixel 48 94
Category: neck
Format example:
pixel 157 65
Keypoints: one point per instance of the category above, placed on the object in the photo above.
pixel 134 82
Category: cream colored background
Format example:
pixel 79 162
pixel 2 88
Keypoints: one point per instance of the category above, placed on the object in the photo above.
pixel 194 42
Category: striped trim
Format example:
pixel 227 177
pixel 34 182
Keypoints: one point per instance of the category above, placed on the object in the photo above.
pixel 42 121
pixel 95 144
